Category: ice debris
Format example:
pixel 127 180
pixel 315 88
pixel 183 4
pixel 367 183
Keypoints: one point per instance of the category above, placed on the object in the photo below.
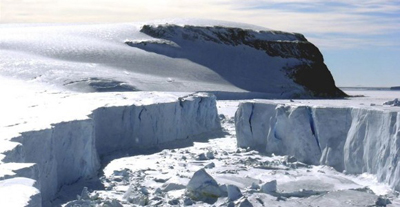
pixel 85 195
pixel 210 155
pixel 269 187
pixel 243 202
pixel 210 165
pixel 174 202
pixel 112 203
pixel 170 186
pixel 382 201
pixel 233 192
pixel 205 156
pixel 395 102
pixel 203 187
pixel 134 196
pixel 79 203
pixel 89 200
pixel 201 156
pixel 254 186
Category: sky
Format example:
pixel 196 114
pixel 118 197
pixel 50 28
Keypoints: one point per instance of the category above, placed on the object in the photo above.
pixel 360 39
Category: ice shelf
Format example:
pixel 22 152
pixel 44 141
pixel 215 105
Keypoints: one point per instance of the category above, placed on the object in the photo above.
pixel 350 139
pixel 62 139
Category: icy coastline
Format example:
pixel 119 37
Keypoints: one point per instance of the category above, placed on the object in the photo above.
pixel 354 140
pixel 57 129
pixel 70 149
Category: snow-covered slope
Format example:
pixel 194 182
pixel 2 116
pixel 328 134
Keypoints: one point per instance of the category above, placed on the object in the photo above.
pixel 58 139
pixel 231 59
pixel 260 61
pixel 354 139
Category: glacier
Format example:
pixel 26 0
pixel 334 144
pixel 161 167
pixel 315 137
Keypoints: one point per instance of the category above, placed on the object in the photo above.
pixel 352 139
pixel 68 144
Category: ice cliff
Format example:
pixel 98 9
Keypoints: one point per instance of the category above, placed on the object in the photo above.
pixel 38 162
pixel 350 139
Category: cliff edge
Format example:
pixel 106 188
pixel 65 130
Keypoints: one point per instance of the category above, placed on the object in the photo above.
pixel 274 61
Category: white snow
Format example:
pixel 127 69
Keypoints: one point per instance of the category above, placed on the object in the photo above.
pixel 19 191
pixel 94 57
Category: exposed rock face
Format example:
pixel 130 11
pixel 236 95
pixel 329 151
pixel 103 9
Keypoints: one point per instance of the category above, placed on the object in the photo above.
pixel 274 43
pixel 309 71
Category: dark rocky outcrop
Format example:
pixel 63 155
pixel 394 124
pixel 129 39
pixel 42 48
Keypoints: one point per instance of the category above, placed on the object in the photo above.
pixel 316 77
pixel 309 71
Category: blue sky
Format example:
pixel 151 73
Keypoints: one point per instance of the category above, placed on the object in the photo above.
pixel 360 39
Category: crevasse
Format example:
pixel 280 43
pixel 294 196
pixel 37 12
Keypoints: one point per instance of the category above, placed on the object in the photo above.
pixel 354 140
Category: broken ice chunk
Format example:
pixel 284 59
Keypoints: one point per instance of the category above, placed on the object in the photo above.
pixel 203 187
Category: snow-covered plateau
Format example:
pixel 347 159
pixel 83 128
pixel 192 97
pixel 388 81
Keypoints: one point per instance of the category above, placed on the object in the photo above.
pixel 229 59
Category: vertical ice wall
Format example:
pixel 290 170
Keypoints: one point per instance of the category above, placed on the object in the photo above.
pixel 69 151
pixel 145 126
pixel 62 154
pixel 352 139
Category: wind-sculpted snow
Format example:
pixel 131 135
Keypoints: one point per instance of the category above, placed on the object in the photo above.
pixel 302 61
pixel 69 148
pixel 231 60
pixel 351 139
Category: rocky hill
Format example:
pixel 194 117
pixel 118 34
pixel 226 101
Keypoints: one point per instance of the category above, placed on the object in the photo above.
pixel 229 59
pixel 305 63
